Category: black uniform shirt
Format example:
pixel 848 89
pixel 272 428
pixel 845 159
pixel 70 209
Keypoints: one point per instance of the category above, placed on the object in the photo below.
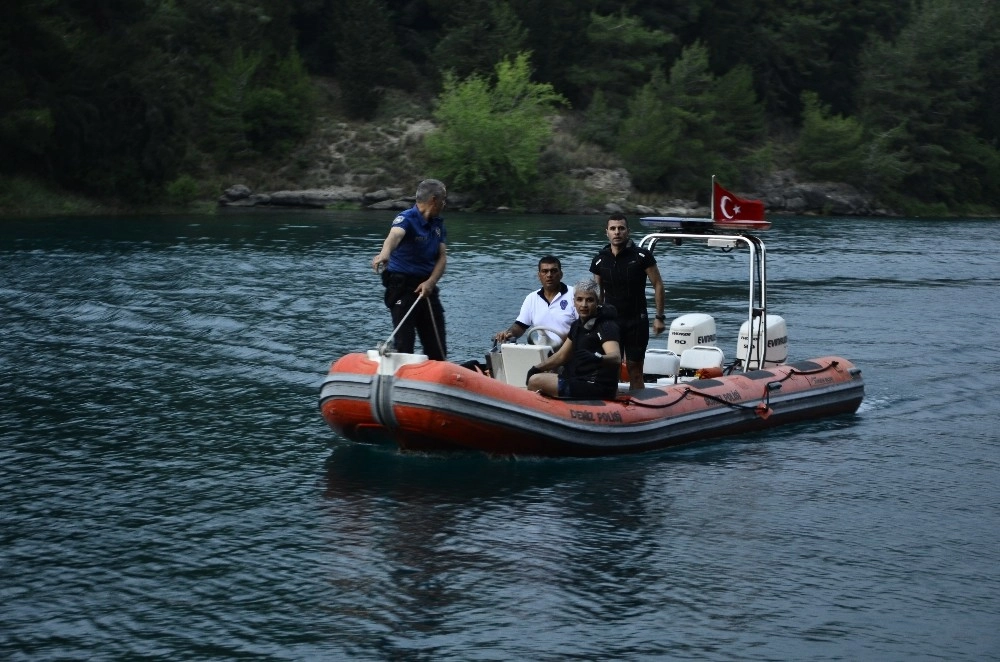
pixel 623 278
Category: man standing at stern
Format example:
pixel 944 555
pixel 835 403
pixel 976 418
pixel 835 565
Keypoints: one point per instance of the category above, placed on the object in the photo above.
pixel 412 261
pixel 621 270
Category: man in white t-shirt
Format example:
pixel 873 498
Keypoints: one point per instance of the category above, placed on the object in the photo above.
pixel 550 307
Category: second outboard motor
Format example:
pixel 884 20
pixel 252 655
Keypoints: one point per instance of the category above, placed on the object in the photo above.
pixel 776 351
pixel 689 330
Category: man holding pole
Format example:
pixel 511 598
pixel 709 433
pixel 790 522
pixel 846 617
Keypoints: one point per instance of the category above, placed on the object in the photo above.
pixel 412 260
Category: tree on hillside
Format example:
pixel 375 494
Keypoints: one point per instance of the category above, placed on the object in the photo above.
pixel 366 55
pixel 555 30
pixel 620 53
pixel 117 99
pixel 260 110
pixel 829 147
pixel 794 46
pixel 90 100
pixel 680 131
pixel 647 139
pixel 922 99
pixel 228 106
pixel 478 34
pixel 492 133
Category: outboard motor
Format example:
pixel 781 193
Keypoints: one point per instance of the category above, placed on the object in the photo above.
pixel 689 330
pixel 776 351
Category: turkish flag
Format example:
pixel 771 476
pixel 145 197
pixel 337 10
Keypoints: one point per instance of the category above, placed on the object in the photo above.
pixel 728 207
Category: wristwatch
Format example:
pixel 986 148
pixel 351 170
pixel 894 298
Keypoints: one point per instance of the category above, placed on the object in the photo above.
pixel 662 318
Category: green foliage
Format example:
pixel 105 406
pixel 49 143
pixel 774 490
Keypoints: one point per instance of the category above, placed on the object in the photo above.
pixel 883 165
pixel 829 146
pixel 366 55
pixel 90 109
pixel 281 113
pixel 620 53
pixel 922 96
pixel 793 47
pixel 491 135
pixel 251 112
pixel 228 106
pixel 647 140
pixel 182 190
pixel 739 136
pixel 27 131
pixel 116 99
pixel 479 33
pixel 554 39
pixel 680 131
pixel 21 196
pixel 602 121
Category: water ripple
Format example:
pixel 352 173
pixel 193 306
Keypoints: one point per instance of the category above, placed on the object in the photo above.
pixel 170 491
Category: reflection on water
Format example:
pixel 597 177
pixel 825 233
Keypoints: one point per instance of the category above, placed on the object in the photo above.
pixel 170 490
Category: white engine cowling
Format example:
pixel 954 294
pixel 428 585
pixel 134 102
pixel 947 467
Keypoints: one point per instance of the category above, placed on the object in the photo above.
pixel 689 330
pixel 776 351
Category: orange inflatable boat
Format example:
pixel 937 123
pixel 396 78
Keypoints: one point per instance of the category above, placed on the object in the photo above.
pixel 436 405
pixel 691 393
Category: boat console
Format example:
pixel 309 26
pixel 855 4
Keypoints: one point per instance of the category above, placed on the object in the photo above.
pixel 511 363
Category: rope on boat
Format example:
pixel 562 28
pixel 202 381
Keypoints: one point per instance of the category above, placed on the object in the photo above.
pixel 637 403
pixel 691 391
pixel 793 371
pixel 762 409
pixel 437 334
pixel 384 347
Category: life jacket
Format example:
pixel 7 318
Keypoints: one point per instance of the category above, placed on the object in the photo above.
pixel 588 338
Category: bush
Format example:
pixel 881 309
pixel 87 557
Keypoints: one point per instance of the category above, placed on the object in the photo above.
pixel 182 190
pixel 491 136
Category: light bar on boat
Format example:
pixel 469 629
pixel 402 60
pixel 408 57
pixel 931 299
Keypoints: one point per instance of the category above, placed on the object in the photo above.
pixel 676 223
pixel 701 224
pixel 735 224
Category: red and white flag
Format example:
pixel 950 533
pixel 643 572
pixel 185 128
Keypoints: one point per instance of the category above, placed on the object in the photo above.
pixel 728 207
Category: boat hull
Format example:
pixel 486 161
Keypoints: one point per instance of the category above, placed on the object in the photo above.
pixel 436 405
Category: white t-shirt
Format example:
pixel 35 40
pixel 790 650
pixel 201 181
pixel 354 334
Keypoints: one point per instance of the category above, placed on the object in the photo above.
pixel 558 315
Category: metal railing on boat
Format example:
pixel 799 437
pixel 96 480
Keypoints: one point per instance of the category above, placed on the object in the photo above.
pixel 757 300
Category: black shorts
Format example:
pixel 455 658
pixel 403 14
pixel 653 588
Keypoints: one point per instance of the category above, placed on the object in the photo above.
pixel 634 337
pixel 578 388
pixel 426 320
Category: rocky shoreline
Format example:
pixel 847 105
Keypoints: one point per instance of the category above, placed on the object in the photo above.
pixel 780 191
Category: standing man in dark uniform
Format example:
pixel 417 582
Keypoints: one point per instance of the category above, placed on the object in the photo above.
pixel 621 270
pixel 414 255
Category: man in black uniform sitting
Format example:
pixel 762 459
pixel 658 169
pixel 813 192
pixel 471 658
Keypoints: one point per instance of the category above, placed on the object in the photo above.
pixel 621 270
pixel 591 353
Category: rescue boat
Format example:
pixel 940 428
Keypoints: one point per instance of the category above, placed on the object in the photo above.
pixel 691 392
